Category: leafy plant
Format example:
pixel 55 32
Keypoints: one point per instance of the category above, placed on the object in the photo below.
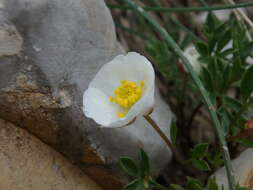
pixel 224 85
pixel 140 172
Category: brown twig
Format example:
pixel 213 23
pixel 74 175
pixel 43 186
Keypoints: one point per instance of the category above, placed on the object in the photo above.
pixel 240 15
pixel 243 134
pixel 176 154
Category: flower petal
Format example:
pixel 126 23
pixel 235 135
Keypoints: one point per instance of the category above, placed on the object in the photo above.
pixel 97 107
pixel 132 67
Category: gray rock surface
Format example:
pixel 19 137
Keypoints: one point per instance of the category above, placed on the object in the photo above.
pixel 49 52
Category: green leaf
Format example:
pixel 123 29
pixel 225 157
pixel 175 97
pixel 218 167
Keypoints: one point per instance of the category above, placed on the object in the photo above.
pixel 226 79
pixel 220 30
pixel 239 35
pixel 237 70
pixel 207 79
pixel 247 83
pixel 176 187
pixel 129 166
pixel 215 158
pixel 247 50
pixel 224 40
pixel 212 20
pixel 212 185
pixel 200 150
pixel 232 103
pixel 227 52
pixel 238 187
pixel 213 99
pixel 201 47
pixel 225 120
pixel 194 184
pixel 200 164
pixel 144 163
pixel 245 142
pixel 173 132
pixel 215 67
pixel 135 185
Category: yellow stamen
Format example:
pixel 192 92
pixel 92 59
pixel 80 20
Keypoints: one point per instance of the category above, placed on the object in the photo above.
pixel 126 95
pixel 120 115
pixel 142 83
pixel 111 99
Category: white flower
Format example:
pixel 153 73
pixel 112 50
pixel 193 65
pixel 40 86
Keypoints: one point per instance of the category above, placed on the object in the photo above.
pixel 122 90
pixel 192 55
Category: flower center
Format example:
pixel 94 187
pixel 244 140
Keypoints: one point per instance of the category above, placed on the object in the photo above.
pixel 126 95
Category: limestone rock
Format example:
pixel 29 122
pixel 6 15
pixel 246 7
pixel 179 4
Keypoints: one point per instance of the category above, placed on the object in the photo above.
pixel 27 164
pixel 243 171
pixel 63 44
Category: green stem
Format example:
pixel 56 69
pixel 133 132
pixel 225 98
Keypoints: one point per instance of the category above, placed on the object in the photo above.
pixel 191 9
pixel 165 138
pixel 196 79
pixel 178 157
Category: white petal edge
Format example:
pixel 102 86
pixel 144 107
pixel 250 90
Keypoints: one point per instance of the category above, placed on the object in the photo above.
pixel 97 107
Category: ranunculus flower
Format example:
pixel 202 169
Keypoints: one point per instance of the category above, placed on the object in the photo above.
pixel 122 90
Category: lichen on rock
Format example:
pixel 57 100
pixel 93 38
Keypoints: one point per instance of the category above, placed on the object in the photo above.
pixel 64 43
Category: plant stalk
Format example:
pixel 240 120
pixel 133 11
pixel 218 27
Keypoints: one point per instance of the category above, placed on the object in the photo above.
pixel 178 157
pixel 196 79
pixel 241 16
pixel 191 9
pixel 241 13
pixel 163 136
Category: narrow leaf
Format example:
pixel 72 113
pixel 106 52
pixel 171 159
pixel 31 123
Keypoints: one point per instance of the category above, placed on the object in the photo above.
pixel 232 103
pixel 129 166
pixel 226 79
pixel 227 52
pixel 194 184
pixel 224 40
pixel 207 79
pixel 212 185
pixel 200 150
pixel 246 142
pixel 173 132
pixel 144 163
pixel 237 70
pixel 135 185
pixel 200 164
pixel 201 47
pixel 247 83
pixel 247 50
